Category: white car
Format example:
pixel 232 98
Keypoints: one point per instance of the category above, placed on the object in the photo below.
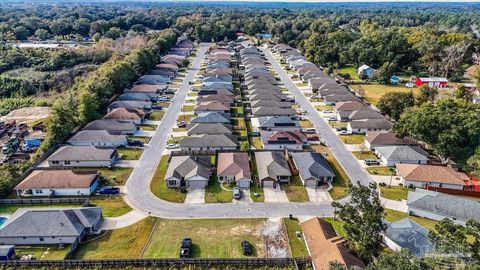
pixel 344 132
pixel 172 146
pixel 327 111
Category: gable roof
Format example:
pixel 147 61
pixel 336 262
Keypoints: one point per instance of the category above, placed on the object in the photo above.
pixel 183 167
pixel 147 88
pixel 371 124
pixel 125 114
pixel 211 106
pixel 273 111
pixel 211 117
pixel 56 179
pixel 311 165
pixel 209 140
pixel 431 173
pixel 69 152
pixel 402 152
pixel 111 125
pixel 277 121
pixel 223 98
pixel 208 128
pixel 235 164
pixel 271 164
pixel 409 235
pixel 350 106
pixel 386 138
pixel 96 136
pixel 283 137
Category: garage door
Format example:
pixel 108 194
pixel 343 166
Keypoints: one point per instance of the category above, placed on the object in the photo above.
pixel 311 183
pixel 243 184
pixel 268 183
pixel 197 184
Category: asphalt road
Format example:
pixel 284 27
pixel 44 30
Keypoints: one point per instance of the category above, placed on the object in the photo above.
pixel 139 196
pixel 346 159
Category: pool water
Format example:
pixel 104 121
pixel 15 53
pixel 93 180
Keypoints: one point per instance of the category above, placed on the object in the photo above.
pixel 2 221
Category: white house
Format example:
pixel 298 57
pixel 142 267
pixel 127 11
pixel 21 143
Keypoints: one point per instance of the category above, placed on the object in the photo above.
pixel 98 138
pixel 83 156
pixel 422 176
pixel 395 154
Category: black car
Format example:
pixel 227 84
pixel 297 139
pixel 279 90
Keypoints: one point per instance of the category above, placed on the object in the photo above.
pixel 341 128
pixel 185 247
pixel 247 251
pixel 135 143
pixel 156 107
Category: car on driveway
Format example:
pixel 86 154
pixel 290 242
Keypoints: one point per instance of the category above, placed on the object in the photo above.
pixel 327 111
pixel 237 193
pixel 185 247
pixel 172 146
pixel 246 249
pixel 341 128
pixel 370 162
pixel 163 98
pixel 332 118
pixel 182 124
pixel 344 132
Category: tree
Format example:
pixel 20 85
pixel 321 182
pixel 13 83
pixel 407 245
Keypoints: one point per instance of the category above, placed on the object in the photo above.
pixel 63 117
pixel 362 217
pixel 473 163
pixel 384 73
pixel 402 260
pixel 88 107
pixel 21 33
pixel 427 94
pixel 462 93
pixel 394 103
pixel 96 37
pixel 451 127
pixel 42 34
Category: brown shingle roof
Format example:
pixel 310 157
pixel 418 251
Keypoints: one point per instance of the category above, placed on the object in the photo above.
pixel 56 179
pixel 211 106
pixel 350 106
pixel 147 88
pixel 386 138
pixel 236 164
pixel 125 114
pixel 431 173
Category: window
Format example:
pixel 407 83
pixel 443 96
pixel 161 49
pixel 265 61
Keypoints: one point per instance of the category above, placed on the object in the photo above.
pixel 38 191
pixel 67 162
pixel 41 239
pixel 55 162
pixel 172 182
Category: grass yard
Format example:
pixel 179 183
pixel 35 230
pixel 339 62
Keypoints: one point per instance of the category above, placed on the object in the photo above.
pixel 297 245
pixel 43 252
pixel 127 242
pixel 349 69
pixel 192 94
pixel 337 225
pixel 392 215
pixel 324 107
pixel 341 181
pixel 115 176
pixel 212 238
pixel 240 132
pixel 179 129
pixel 256 192
pixel 216 194
pixel 187 108
pixel 362 155
pixel 352 138
pixel 397 193
pixel 185 117
pixel 113 206
pixel 139 138
pixel 130 153
pixel 381 170
pixel 295 190
pixel 335 124
pixel 239 122
pixel 373 92
pixel 159 187
pixel 256 142
pixel 163 104
pixel 147 127
pixel 175 139
pixel 156 115
pixel 237 110
pixel 10 209
pixel 305 124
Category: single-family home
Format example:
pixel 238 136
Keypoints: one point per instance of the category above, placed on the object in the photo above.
pixel 375 139
pixel 162 72
pixel 153 79
pixel 130 104
pixel 437 206
pixel 208 128
pixel 270 103
pixel 136 116
pixel 98 138
pixel 407 234
pixel 211 142
pixel 365 125
pixel 274 123
pixel 188 171
pixel 272 168
pixel 234 168
pixel 431 82
pixel 335 98
pixel 212 117
pixel 423 176
pixel 275 140
pixel 171 67
pixel 222 98
pixel 113 126
pixel 28 226
pixel 313 169
pixel 82 156
pixel 139 96
pixel 395 154
pixel 273 111
pixel 217 79
pixel 211 106
pixel 147 88
pixel 58 183
pixel 365 72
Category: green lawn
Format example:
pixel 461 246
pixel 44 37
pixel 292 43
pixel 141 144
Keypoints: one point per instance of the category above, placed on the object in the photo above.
pixel 324 107
pixel 349 69
pixel 297 245
pixel 397 193
pixel 295 190
pixel 179 129
pixel 127 242
pixel 147 127
pixel 381 170
pixel 256 192
pixel 192 94
pixel 175 139
pixel 335 124
pixel 392 215
pixel 362 155
pixel 163 104
pixel 43 252
pixel 256 142
pixel 352 138
pixel 237 110
pixel 341 181
pixel 113 206
pixel 240 132
pixel 10 209
pixel 305 124
pixel 216 194
pixel 239 122
pixel 156 115
pixel 337 225
pixel 185 117
pixel 130 153
pixel 158 185
pixel 373 92
pixel 187 108
pixel 140 138
pixel 115 176
pixel 212 238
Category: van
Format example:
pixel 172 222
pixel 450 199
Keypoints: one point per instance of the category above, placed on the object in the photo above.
pixel 370 162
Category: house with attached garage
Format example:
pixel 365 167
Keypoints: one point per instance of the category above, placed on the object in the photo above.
pixel 313 169
pixel 212 142
pixel 188 171
pixel 423 176
pixel 83 156
pixel 273 111
pixel 279 140
pixel 274 123
pixel 361 115
pixel 170 67
pixel 29 226
pixel 207 128
pixel 212 117
pixel 113 126
pixel 153 79
pixel 147 88
pixel 58 183
pixel 272 168
pixel 407 234
pixel 365 125
pixel 139 96
pixel 219 79
pixel 396 154
pixel 334 98
pixel 211 106
pixel 222 98
pixel 234 168
pixel 438 206
pixel 136 116
pixel 375 139
pixel 130 104
pixel 98 138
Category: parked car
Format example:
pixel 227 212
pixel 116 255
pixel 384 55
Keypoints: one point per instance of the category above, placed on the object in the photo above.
pixel 309 130
pixel 327 111
pixel 185 247
pixel 344 132
pixel 313 138
pixel 163 98
pixel 341 128
pixel 332 118
pixel 182 124
pixel 370 162
pixel 135 143
pixel 109 190
pixel 246 249
pixel 237 193
pixel 172 146
pixel 156 107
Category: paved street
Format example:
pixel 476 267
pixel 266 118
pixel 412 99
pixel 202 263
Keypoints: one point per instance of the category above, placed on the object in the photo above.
pixel 345 158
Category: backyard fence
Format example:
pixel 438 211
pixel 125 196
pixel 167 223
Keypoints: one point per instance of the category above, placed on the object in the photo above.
pixel 165 262
pixel 44 201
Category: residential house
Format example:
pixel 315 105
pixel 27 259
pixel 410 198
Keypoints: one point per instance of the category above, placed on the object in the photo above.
pixel 130 104
pixel 431 82
pixel 136 116
pixel 275 140
pixel 272 168
pixel 171 67
pixel 217 79
pixel 365 125
pixel 188 171
pixel 273 111
pixel 212 117
pixel 58 183
pixel 113 126
pixel 211 106
pixel 222 98
pixel 335 98
pixel 234 168
pixel 162 72
pixel 365 71
pixel 98 138
pixel 83 156
pixel 210 142
pixel 375 139
pixel 313 169
pixel 153 79
pixel 274 123
pixel 438 206
pixel 395 154
pixel 139 96
pixel 208 128
pixel 147 88
pixel 407 234
pixel 270 103
pixel 28 226
pixel 423 176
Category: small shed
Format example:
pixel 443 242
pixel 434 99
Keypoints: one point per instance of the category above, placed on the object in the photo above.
pixel 7 252
pixel 394 79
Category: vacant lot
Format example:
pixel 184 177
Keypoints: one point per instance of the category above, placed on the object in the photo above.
pixel 397 193
pixel 297 244
pixel 127 242
pixel 130 153
pixel 115 176
pixel 341 181
pixel 373 92
pixel 211 237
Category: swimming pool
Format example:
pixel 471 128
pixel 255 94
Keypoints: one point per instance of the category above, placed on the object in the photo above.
pixel 2 221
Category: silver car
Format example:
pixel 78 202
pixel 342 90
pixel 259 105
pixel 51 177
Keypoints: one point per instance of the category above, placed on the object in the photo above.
pixel 237 193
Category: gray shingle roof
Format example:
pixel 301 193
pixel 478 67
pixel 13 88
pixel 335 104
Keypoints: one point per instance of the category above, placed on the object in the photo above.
pixel 311 164
pixel 409 235
pixel 69 152
pixel 211 117
pixel 277 121
pixel 209 140
pixel 402 152
pixel 273 111
pixel 187 166
pixel 271 164
pixel 96 136
pixel 112 125
pixel 371 124
pixel 207 128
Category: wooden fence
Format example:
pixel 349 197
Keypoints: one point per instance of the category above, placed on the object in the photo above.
pixel 164 262
pixel 470 193
pixel 44 201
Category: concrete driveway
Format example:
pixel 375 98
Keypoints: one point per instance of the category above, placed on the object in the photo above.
pixel 195 196
pixel 245 197
pixel 144 133
pixel 318 195
pixel 126 163
pixel 274 195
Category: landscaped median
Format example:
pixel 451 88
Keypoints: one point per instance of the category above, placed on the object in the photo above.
pixel 159 188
